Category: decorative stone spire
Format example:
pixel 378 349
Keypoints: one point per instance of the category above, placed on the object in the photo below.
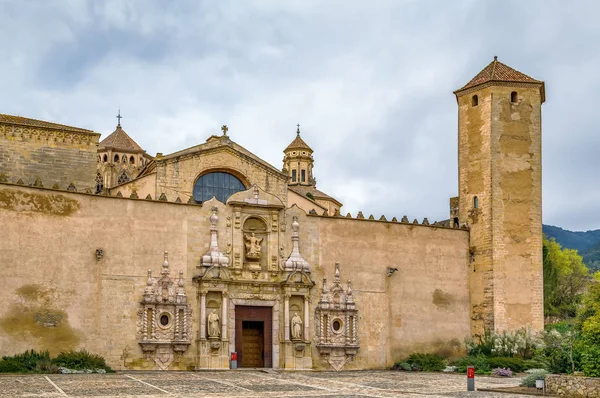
pixel 214 257
pixel 295 262
pixel 181 299
pixel 165 265
pixel 149 289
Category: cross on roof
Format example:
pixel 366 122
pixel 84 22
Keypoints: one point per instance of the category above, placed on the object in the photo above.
pixel 224 129
pixel 119 117
pixel 298 130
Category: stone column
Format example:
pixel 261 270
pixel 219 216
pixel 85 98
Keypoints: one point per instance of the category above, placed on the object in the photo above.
pixel 202 316
pixel 286 317
pixel 306 320
pixel 224 316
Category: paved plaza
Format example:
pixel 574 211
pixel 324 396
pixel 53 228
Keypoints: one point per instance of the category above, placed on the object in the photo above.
pixel 251 383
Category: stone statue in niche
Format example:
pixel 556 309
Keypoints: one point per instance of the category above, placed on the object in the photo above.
pixel 296 327
pixel 252 246
pixel 213 325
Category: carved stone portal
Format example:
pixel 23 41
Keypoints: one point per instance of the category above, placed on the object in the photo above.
pixel 336 323
pixel 164 319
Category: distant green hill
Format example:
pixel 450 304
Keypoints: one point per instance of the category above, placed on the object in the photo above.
pixel 587 243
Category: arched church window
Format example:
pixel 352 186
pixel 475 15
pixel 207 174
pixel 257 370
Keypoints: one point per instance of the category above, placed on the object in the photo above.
pixel 131 160
pixel 475 202
pixel 218 184
pixel 123 178
pixel 475 100
pixel 116 159
pixel 99 182
pixel 105 158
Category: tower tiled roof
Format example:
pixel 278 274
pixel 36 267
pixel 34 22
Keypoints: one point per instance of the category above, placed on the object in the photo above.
pixel 120 141
pixel 298 143
pixel 496 71
pixel 24 121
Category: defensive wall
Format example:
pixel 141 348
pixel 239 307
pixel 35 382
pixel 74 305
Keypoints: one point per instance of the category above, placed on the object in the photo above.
pixel 58 294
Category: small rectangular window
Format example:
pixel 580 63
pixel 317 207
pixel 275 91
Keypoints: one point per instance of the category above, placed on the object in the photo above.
pixel 293 175
pixel 303 175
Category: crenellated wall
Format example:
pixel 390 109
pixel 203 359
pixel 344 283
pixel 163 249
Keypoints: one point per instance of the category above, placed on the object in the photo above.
pixel 58 294
pixel 53 156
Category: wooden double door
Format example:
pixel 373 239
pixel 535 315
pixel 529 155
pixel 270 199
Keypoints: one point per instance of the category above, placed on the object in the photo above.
pixel 253 337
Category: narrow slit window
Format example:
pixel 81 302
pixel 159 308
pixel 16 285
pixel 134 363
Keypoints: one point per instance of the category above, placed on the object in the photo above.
pixel 293 175
pixel 303 175
pixel 475 202
pixel 475 100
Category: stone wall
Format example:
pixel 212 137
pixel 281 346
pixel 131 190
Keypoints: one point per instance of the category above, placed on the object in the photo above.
pixel 421 307
pixel 58 295
pixel 500 170
pixel 573 386
pixel 53 156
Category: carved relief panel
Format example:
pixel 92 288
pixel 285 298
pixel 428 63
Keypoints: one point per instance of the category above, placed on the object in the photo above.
pixel 336 323
pixel 164 318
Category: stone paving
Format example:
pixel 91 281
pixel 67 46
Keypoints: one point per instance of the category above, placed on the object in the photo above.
pixel 251 384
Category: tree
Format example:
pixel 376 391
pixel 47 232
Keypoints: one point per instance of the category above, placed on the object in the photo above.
pixel 565 279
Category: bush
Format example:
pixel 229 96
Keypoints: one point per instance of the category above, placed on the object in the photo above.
pixel 27 360
pixel 590 361
pixel 46 366
pixel 480 362
pixel 402 366
pixel 80 360
pixel 529 381
pixel 9 365
pixel 427 362
pixel 503 372
pixel 515 364
pixel 520 343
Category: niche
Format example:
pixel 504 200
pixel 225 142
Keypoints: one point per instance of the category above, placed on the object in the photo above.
pixel 255 243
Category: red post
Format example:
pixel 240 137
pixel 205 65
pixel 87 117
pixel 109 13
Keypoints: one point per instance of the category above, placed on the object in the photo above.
pixel 470 378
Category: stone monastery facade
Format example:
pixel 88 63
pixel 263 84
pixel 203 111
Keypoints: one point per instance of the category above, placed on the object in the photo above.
pixel 178 261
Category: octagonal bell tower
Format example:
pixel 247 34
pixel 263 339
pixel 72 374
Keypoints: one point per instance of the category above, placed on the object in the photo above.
pixel 500 196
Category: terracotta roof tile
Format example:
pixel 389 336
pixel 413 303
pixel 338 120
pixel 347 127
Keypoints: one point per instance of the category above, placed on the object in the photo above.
pixel 121 141
pixel 298 143
pixel 498 72
pixel 24 121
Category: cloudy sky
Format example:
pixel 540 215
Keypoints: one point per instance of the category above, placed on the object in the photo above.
pixel 370 83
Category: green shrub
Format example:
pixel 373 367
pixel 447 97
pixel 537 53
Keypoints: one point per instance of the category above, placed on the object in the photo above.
pixel 80 360
pixel 520 343
pixel 28 360
pixel 590 361
pixel 515 364
pixel 480 362
pixel 402 366
pixel 529 381
pixel 9 365
pixel 427 362
pixel 46 366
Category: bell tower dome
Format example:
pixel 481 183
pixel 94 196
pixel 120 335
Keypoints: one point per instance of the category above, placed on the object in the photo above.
pixel 298 162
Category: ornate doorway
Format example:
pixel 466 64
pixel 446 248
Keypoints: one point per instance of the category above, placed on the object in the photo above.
pixel 253 336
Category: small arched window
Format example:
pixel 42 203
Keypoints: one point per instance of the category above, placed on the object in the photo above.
pixel 116 159
pixel 105 158
pixel 475 100
pixel 131 160
pixel 475 202
pixel 513 96
pixel 124 159
pixel 218 184
pixel 99 182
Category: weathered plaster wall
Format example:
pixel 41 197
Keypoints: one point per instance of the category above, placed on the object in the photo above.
pixel 57 296
pixel 56 157
pixel 423 307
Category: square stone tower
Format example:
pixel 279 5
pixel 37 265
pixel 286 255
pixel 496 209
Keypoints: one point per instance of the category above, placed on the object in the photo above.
pixel 500 196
